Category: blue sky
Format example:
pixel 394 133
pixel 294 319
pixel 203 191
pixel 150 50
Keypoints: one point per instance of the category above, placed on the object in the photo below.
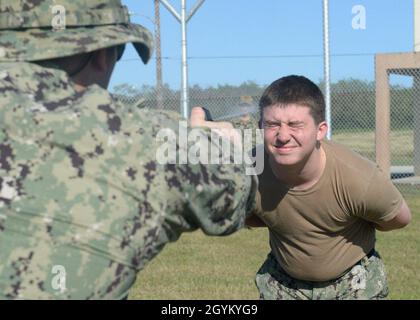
pixel 233 41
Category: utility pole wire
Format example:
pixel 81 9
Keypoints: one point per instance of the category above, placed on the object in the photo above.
pixel 260 57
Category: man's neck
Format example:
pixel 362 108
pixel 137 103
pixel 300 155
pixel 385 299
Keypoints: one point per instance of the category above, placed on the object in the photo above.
pixel 303 175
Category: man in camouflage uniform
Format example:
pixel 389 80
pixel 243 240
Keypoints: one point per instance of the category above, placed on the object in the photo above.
pixel 84 204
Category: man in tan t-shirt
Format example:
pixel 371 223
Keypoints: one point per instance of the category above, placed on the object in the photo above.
pixel 321 202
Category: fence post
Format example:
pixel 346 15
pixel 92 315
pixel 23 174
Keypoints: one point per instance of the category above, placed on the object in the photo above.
pixel 416 106
pixel 327 69
pixel 383 102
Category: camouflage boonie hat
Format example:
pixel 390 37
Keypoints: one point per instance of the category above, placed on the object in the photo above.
pixel 32 30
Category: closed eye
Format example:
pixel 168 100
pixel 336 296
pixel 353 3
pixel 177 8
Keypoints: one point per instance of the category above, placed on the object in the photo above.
pixel 296 125
pixel 271 124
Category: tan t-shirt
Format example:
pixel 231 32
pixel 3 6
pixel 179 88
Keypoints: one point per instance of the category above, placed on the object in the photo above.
pixel 318 233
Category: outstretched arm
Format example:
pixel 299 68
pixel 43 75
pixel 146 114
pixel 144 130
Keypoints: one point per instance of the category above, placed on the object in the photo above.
pixel 213 197
pixel 402 219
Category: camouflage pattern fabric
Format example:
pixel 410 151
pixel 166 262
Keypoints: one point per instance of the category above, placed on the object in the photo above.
pixel 45 29
pixel 365 280
pixel 81 190
pixel 246 122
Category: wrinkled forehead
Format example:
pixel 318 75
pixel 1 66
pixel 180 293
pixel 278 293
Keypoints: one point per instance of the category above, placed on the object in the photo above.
pixel 286 112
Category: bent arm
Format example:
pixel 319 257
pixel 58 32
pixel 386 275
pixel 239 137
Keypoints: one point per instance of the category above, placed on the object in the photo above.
pixel 214 197
pixel 401 220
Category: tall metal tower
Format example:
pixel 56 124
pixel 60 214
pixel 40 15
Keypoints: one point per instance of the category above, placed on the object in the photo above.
pixel 183 18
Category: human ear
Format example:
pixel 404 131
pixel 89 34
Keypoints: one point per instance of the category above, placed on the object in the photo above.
pixel 322 130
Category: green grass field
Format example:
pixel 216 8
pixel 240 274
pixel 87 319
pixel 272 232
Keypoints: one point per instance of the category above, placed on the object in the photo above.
pixel 363 142
pixel 202 267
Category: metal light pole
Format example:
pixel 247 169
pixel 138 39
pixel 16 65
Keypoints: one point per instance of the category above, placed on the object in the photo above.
pixel 184 63
pixel 183 18
pixel 327 69
pixel 159 81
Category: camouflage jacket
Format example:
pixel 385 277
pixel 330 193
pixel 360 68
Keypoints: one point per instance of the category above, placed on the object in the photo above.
pixel 82 195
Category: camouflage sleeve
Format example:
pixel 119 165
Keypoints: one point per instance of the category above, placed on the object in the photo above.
pixel 214 198
pixel 211 197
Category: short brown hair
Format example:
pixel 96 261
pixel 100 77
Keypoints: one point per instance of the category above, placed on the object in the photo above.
pixel 297 90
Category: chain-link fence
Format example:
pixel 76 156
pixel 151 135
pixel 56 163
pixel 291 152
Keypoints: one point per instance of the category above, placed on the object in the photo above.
pixel 353 120
pixel 352 112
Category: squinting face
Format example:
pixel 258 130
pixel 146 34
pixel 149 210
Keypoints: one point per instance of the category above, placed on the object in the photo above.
pixel 290 134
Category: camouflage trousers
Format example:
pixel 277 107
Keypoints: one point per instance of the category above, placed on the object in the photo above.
pixel 365 280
